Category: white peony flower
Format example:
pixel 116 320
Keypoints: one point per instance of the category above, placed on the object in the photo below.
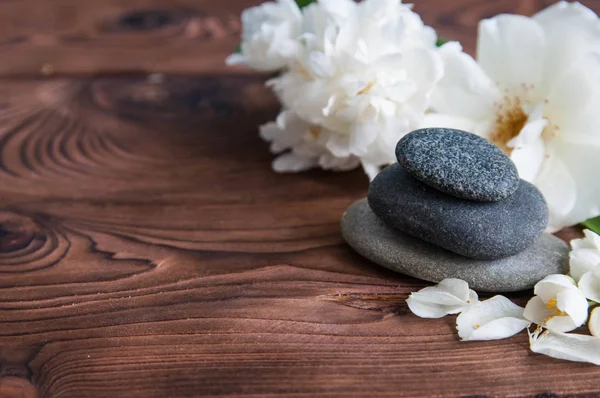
pixel 450 296
pixel 492 319
pixel 594 323
pixel 570 347
pixel 362 79
pixel 269 36
pixel 534 91
pixel 585 255
pixel 558 305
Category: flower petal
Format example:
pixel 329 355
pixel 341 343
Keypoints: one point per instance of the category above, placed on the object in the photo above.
pixel 559 189
pixel 571 31
pixel 590 241
pixel 456 287
pixel 570 347
pixel 589 285
pixel 329 162
pixel 464 90
pixel 560 324
pixel 492 319
pixel 568 169
pixel 574 304
pixel 573 100
pixel 536 310
pixel 510 48
pixel 293 163
pixel 450 296
pixel 549 287
pixel 594 324
pixel 423 66
pixel 425 309
pixel 582 261
pixel 529 159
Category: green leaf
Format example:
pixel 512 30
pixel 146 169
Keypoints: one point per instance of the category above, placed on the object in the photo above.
pixel 440 42
pixel 304 3
pixel 593 224
pixel 238 49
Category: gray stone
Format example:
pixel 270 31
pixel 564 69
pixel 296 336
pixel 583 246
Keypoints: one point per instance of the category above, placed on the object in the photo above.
pixel 400 252
pixel 483 230
pixel 458 163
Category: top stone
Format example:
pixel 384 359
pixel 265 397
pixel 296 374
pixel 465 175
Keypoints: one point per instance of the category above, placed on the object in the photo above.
pixel 458 163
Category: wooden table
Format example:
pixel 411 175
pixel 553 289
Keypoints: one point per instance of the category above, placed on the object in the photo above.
pixel 148 250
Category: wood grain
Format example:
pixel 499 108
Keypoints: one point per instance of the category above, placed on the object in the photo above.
pixel 148 250
pixel 58 37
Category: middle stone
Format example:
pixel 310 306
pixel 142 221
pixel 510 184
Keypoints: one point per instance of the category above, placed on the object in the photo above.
pixel 481 230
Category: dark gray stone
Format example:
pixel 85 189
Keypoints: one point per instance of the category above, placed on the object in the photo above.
pixel 484 230
pixel 400 252
pixel 458 163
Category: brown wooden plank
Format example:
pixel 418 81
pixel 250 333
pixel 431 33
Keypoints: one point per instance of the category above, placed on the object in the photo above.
pixel 45 37
pixel 147 250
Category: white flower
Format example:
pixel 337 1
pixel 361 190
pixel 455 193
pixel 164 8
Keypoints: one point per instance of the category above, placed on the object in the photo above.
pixel 570 347
pixel 492 319
pixel 535 92
pixel 269 36
pixel 585 255
pixel 594 323
pixel 450 296
pixel 558 305
pixel 362 80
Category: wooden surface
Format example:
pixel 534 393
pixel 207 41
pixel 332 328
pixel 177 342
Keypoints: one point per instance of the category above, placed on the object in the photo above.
pixel 147 249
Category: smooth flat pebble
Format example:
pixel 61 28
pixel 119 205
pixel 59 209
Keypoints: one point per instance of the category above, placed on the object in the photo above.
pixel 392 249
pixel 458 163
pixel 483 230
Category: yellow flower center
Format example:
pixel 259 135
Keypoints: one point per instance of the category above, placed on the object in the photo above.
pixel 551 303
pixel 314 131
pixel 510 119
pixel 552 306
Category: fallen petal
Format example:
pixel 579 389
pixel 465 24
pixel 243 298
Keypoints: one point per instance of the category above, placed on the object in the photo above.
pixel 450 296
pixel 570 347
pixel 493 319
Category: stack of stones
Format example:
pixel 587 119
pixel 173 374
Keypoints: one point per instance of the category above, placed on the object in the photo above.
pixel 454 207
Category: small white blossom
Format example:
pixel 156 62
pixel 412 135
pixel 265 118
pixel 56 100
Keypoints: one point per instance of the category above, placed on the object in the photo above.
pixel 567 346
pixel 534 91
pixel 558 305
pixel 585 256
pixel 269 36
pixel 450 296
pixel 492 319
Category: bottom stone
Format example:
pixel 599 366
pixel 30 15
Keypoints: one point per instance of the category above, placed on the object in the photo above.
pixel 402 253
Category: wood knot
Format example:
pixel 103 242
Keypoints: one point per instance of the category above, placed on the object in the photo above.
pixel 16 232
pixel 176 96
pixel 27 244
pixel 147 20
